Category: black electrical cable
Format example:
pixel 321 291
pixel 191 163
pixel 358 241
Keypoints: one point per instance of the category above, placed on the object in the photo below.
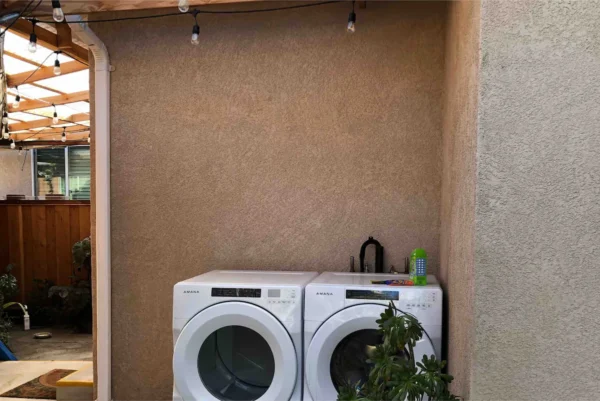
pixel 259 10
pixel 37 69
pixel 18 17
pixel 21 15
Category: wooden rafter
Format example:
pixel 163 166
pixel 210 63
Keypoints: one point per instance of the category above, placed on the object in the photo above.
pixel 46 143
pixel 43 73
pixel 50 135
pixel 47 122
pixel 91 6
pixel 50 40
pixel 57 130
pixel 20 58
pixel 47 101
pixel 37 84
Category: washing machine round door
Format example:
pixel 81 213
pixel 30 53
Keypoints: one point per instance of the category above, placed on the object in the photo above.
pixel 234 351
pixel 340 347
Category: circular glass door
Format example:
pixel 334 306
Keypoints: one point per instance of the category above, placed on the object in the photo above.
pixel 339 350
pixel 234 351
pixel 349 360
pixel 236 363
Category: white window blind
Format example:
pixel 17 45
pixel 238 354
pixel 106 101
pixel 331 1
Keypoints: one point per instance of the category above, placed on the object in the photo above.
pixel 64 171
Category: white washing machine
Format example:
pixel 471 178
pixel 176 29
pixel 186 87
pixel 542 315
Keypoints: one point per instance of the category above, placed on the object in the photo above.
pixel 238 336
pixel 340 328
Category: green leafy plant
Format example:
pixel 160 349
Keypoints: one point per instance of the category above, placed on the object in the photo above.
pixel 8 289
pixel 394 373
pixel 76 300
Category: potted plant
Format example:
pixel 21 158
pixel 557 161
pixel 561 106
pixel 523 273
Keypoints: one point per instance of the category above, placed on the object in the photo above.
pixel 395 375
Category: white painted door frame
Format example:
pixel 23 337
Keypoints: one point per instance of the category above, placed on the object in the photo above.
pixel 102 203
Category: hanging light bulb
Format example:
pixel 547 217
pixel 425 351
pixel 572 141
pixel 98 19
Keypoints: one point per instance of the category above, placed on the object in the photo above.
pixel 64 136
pixel 351 20
pixel 184 6
pixel 17 101
pixel 5 118
pixel 196 35
pixel 32 38
pixel 89 139
pixel 20 150
pixel 12 144
pixel 57 13
pixel 196 29
pixel 55 115
pixel 56 66
pixel 5 132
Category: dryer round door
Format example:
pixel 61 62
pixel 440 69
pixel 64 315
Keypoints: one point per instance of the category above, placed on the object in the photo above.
pixel 234 351
pixel 340 347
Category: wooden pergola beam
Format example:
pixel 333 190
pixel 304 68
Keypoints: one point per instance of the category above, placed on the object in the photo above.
pixel 54 136
pixel 57 130
pixel 50 40
pixel 92 6
pixel 47 101
pixel 47 122
pixel 44 73
pixel 35 144
pixel 20 58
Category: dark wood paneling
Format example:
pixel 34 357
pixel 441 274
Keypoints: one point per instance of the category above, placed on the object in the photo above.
pixel 37 239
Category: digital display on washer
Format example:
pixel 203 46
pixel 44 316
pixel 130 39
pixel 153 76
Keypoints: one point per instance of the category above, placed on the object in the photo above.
pixel 373 295
pixel 236 292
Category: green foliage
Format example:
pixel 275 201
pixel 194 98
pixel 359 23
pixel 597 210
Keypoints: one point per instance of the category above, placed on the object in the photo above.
pixel 8 289
pixel 72 304
pixel 395 375
pixel 82 254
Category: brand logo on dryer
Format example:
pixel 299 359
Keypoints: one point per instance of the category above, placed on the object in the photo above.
pixel 327 294
pixel 191 292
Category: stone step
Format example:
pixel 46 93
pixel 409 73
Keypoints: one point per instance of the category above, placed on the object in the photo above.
pixel 78 386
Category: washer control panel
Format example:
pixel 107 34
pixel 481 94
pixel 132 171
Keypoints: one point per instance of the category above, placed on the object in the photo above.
pixel 281 296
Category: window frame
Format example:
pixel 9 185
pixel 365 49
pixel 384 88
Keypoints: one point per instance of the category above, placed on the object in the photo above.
pixel 34 168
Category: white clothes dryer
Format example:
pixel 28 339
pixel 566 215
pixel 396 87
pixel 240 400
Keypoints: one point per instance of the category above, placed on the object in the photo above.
pixel 238 336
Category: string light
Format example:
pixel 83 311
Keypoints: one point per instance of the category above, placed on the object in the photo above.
pixel 351 20
pixel 89 139
pixel 20 150
pixel 55 116
pixel 196 29
pixel 32 38
pixel 57 65
pixel 6 132
pixel 17 101
pixel 57 13
pixel 64 136
pixel 5 118
pixel 184 6
pixel 12 144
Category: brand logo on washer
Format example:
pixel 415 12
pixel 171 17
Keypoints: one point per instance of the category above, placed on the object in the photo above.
pixel 325 293
pixel 191 292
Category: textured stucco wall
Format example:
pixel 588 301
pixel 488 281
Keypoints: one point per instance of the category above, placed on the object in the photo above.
pixel 537 303
pixel 280 142
pixel 458 187
pixel 15 177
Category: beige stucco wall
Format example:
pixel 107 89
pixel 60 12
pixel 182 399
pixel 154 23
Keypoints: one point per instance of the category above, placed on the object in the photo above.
pixel 15 173
pixel 280 142
pixel 458 188
pixel 537 253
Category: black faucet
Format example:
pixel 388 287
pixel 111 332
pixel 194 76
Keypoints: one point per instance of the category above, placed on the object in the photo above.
pixel 378 255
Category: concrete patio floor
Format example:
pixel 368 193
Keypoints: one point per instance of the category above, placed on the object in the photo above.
pixel 63 346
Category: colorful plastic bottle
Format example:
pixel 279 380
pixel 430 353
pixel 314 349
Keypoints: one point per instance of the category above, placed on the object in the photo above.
pixel 418 266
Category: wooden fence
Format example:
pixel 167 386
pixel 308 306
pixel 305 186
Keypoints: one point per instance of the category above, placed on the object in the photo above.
pixel 37 237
